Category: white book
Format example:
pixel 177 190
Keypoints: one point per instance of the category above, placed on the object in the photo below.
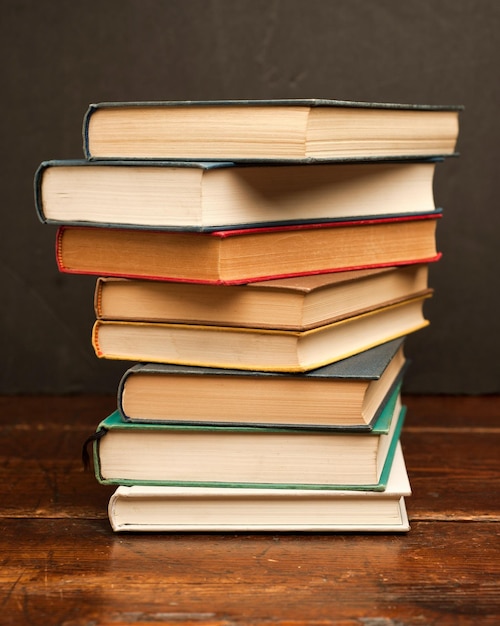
pixel 163 509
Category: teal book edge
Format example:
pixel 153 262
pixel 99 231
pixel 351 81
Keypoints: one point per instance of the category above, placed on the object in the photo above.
pixel 381 427
pixel 309 102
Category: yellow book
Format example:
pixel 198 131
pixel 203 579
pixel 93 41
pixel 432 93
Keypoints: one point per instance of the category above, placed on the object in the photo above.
pixel 257 348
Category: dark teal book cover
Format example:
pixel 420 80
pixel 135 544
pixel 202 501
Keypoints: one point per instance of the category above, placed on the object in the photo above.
pixel 388 425
pixel 154 194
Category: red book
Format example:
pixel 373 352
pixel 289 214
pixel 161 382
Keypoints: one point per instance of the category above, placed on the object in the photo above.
pixel 242 256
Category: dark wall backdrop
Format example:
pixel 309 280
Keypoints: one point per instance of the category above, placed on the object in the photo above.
pixel 59 56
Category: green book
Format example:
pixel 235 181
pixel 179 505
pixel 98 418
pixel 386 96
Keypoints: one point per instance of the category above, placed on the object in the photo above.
pixel 128 453
pixel 186 509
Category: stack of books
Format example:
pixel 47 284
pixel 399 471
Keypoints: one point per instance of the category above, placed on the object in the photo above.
pixel 260 263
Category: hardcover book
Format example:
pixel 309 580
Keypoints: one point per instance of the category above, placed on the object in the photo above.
pixel 297 303
pixel 348 394
pixel 257 348
pixel 247 255
pixel 205 509
pixel 209 196
pixel 126 453
pixel 297 129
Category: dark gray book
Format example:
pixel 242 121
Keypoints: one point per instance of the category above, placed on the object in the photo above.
pixel 347 395
pixel 296 130
pixel 204 196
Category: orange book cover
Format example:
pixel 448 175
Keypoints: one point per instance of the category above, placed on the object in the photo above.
pixel 247 255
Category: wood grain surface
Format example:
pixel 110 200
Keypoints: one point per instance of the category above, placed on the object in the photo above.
pixel 61 565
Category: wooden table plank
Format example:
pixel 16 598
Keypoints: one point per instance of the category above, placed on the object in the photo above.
pixel 62 565
pixel 75 569
pixel 41 473
pixel 453 475
pixel 456 412
pixel 454 469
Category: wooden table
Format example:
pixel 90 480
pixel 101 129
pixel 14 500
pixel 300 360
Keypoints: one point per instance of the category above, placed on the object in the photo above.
pixel 62 565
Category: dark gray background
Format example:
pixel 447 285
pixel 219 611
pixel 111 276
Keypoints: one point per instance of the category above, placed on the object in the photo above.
pixel 59 56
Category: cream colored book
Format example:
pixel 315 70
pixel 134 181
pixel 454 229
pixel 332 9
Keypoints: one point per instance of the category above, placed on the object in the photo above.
pixel 181 509
pixel 201 196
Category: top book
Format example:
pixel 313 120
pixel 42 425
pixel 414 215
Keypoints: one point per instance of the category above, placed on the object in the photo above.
pixel 255 130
